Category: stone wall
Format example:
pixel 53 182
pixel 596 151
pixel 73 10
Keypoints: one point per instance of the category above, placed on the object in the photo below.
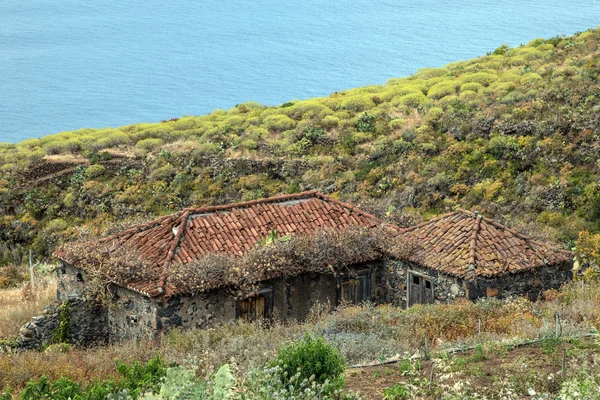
pixel 293 298
pixel 445 288
pixel 71 282
pixel 131 316
pixel 87 321
pixel 530 283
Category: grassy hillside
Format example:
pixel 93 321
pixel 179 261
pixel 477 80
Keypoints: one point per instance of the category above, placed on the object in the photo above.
pixel 515 133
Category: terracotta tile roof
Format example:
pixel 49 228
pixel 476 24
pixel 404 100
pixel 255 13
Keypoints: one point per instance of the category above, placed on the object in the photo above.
pixel 231 229
pixel 461 243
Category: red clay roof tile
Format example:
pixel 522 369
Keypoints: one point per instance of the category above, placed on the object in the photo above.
pixel 231 229
pixel 451 242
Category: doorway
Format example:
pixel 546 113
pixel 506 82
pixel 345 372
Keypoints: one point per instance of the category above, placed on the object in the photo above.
pixel 419 289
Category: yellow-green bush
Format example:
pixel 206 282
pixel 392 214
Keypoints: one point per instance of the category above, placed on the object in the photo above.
pixel 279 122
pixel 94 171
pixel 410 100
pixel 471 86
pixel 330 122
pixel 357 103
pixel 442 89
pixel 151 144
pixel 483 78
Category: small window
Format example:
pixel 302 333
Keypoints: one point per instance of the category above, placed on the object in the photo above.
pixel 416 280
pixel 428 284
pixel 259 306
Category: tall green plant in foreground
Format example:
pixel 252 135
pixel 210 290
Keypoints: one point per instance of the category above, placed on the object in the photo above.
pixel 311 358
pixel 135 379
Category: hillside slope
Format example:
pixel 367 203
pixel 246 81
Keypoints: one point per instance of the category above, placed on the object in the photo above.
pixel 515 134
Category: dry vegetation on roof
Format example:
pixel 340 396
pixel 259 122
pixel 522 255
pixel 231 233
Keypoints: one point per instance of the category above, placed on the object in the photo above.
pixel 325 251
pixel 107 261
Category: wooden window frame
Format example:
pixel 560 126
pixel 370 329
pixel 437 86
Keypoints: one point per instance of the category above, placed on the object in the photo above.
pixel 358 274
pixel 410 274
pixel 267 293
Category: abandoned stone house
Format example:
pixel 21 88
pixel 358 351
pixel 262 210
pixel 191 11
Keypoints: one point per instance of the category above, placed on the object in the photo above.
pixel 460 254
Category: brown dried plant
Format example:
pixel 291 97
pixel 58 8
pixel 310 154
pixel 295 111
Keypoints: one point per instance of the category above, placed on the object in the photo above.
pixel 325 251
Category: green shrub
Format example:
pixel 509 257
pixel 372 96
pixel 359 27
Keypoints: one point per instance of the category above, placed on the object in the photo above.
pixel 396 392
pixel 55 226
pixel 434 113
pixel 442 89
pixel 482 78
pixel 472 86
pixel 94 171
pixel 150 144
pixel 397 123
pixel 530 78
pixel 135 379
pixel 401 90
pixel 308 109
pixel 410 100
pixel 279 122
pixel 113 140
pixel 63 334
pixel 164 173
pixel 366 123
pixel 312 357
pixel 330 122
pixel 357 103
pixel 528 53
pixel 428 73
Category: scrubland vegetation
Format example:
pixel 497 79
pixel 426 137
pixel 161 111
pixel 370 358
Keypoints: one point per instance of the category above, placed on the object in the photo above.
pixel 254 354
pixel 514 133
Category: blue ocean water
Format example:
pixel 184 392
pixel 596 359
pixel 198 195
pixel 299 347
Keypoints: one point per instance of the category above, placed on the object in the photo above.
pixel 68 64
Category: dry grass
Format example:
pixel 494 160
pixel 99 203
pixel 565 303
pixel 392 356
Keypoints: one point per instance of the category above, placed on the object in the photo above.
pixel 363 335
pixel 80 365
pixel 18 305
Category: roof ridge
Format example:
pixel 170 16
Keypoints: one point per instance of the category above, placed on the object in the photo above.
pixel 432 220
pixel 162 283
pixel 274 199
pixel 473 244
pixel 138 228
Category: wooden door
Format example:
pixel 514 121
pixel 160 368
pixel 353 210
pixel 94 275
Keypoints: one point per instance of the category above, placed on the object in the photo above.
pixel 420 290
pixel 354 290
pixel 427 297
pixel 415 290
pixel 348 291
